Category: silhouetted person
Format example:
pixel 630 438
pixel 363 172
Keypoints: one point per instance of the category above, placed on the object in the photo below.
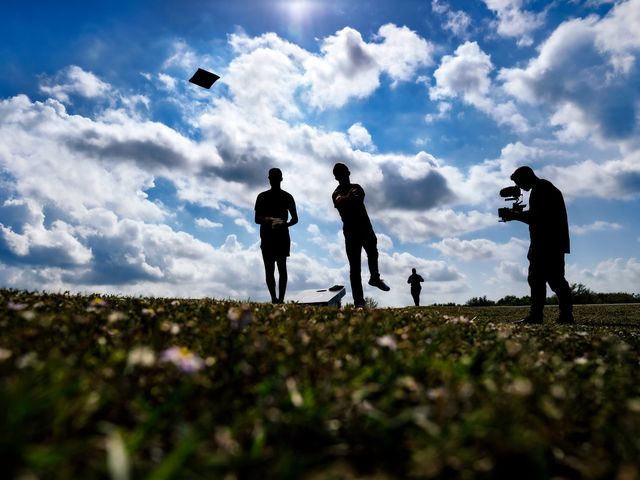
pixel 549 232
pixel 348 198
pixel 415 280
pixel 272 210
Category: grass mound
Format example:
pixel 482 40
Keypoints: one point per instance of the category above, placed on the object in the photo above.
pixel 120 388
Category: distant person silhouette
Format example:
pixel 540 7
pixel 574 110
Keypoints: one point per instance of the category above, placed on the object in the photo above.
pixel 549 232
pixel 348 198
pixel 415 280
pixel 272 210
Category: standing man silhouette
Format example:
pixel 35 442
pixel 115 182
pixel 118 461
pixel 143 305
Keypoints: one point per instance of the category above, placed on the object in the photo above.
pixel 415 280
pixel 348 198
pixel 549 232
pixel 272 210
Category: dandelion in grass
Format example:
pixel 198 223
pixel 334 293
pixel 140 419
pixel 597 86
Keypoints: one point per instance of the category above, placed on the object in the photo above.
pixel 96 304
pixel 183 358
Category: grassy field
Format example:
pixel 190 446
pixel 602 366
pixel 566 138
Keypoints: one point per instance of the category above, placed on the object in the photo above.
pixel 135 388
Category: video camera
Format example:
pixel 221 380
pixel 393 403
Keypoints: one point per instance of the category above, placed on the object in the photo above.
pixel 511 194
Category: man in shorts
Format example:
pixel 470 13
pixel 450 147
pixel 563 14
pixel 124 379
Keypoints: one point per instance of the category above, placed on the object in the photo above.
pixel 273 208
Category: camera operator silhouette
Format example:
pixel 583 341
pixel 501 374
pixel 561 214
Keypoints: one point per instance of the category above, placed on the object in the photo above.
pixel 348 198
pixel 549 233
pixel 415 280
pixel 272 209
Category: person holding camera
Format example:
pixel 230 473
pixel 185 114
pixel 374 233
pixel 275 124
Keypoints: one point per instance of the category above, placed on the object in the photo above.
pixel 549 233
pixel 348 198
pixel 272 209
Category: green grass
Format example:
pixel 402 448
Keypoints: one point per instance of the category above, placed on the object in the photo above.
pixel 307 392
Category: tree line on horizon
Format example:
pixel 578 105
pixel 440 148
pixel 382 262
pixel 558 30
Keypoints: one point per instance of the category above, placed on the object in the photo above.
pixel 580 294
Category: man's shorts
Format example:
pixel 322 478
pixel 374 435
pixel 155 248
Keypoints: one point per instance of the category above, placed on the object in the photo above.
pixel 275 250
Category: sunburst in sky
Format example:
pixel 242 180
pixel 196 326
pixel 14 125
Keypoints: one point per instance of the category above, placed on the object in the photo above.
pixel 300 14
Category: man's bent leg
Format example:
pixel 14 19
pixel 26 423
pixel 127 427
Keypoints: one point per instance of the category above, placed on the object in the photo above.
pixel 354 249
pixel 370 244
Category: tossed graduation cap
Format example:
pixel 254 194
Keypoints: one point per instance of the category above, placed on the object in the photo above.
pixel 204 79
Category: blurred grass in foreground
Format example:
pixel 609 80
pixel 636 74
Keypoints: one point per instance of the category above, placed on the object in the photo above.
pixel 115 387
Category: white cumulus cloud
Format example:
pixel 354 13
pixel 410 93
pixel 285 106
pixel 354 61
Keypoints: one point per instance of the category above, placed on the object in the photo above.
pixel 349 67
pixel 360 137
pixel 515 22
pixel 206 223
pixel 587 73
pixel 597 226
pixel 480 248
pixel 75 81
pixel 465 74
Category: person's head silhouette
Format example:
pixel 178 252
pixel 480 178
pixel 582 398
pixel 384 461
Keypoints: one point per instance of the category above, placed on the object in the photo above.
pixel 341 172
pixel 524 178
pixel 275 177
pixel 413 270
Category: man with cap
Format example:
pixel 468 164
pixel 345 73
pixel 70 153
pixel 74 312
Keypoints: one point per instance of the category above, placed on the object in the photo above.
pixel 348 198
pixel 549 232
pixel 272 210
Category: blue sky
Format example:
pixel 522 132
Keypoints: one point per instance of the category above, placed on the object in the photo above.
pixel 119 176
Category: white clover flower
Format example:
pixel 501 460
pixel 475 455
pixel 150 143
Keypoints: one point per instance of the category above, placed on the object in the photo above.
pixel 294 393
pixel 141 356
pixel 387 341
pixel 116 317
pixel 520 387
pixel 5 354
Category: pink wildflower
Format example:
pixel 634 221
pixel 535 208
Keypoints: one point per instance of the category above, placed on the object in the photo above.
pixel 183 358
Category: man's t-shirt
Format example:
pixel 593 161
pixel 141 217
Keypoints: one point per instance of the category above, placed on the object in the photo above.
pixel 353 212
pixel 276 204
